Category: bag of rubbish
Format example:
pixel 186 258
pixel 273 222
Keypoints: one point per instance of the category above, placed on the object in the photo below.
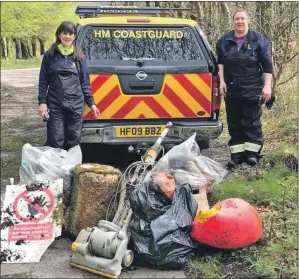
pixel 161 226
pixel 41 164
pixel 196 180
pixel 166 182
pixel 186 156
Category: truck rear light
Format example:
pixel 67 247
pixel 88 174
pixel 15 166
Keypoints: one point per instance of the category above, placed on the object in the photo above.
pixel 216 93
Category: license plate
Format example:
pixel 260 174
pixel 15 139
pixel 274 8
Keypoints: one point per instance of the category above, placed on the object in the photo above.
pixel 138 131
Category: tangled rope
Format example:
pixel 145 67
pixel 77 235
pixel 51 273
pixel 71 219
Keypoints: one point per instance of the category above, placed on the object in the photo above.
pixel 133 176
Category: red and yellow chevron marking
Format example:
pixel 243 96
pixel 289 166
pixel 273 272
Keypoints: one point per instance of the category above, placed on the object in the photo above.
pixel 182 96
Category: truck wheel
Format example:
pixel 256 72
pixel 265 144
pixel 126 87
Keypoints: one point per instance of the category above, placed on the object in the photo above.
pixel 86 149
pixel 203 144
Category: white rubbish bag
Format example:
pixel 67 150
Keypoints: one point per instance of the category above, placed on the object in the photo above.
pixel 41 164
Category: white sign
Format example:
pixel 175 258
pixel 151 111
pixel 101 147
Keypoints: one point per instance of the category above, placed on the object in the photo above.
pixel 28 226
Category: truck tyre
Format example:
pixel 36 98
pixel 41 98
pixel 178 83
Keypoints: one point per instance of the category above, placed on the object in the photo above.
pixel 86 149
pixel 203 144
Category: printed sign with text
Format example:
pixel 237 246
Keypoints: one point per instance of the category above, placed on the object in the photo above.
pixel 28 225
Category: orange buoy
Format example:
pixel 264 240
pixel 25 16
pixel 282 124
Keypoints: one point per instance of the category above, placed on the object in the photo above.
pixel 229 224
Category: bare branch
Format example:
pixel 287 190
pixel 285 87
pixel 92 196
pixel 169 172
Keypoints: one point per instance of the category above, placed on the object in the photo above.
pixel 284 28
pixel 282 17
pixel 268 5
pixel 284 58
pixel 283 82
pixel 285 52
pixel 289 60
pixel 252 11
pixel 256 23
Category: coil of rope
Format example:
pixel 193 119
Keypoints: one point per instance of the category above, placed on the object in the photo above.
pixel 134 175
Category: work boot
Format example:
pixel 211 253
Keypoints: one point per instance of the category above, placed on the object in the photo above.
pixel 236 159
pixel 251 160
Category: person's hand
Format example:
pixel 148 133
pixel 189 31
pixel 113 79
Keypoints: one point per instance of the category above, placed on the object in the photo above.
pixel 43 108
pixel 266 93
pixel 222 88
pixel 95 111
pixel 270 103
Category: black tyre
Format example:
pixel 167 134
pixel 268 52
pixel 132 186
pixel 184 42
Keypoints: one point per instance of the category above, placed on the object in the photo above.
pixel 203 144
pixel 86 149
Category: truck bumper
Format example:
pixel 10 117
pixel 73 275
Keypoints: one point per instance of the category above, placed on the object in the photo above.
pixel 179 132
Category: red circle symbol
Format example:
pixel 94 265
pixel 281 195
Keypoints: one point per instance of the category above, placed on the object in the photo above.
pixel 44 212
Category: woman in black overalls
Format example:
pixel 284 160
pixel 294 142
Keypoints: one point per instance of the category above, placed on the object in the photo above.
pixel 63 87
pixel 245 71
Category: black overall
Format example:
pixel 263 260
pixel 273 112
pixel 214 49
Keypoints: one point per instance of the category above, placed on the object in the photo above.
pixel 243 78
pixel 65 101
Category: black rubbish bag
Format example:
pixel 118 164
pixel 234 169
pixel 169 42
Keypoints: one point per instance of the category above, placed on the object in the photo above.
pixel 160 228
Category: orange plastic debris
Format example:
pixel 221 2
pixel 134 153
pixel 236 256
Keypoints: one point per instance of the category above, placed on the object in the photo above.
pixel 229 224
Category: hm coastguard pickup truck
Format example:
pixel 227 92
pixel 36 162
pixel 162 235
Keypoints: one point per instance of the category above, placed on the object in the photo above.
pixel 147 68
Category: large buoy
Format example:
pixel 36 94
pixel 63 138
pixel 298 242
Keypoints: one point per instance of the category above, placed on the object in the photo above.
pixel 229 224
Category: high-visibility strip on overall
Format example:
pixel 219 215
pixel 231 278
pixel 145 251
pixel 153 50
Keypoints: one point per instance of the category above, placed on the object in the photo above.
pixel 252 147
pixel 238 148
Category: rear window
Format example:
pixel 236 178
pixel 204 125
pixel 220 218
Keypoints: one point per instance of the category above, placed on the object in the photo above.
pixel 168 44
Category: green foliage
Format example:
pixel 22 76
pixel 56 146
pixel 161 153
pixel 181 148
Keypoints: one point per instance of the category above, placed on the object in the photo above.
pixel 265 187
pixel 20 64
pixel 280 124
pixel 268 258
pixel 284 150
pixel 38 19
pixel 205 267
pixel 266 267
pixel 277 259
pixel 12 145
pixel 272 189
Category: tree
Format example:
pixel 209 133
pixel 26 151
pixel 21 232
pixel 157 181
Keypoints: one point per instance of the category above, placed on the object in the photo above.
pixel 25 20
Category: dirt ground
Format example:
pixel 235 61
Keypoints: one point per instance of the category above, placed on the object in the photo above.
pixel 20 124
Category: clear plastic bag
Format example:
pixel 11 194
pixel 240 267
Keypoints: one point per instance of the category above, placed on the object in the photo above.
pixel 41 164
pixel 193 167
pixel 196 180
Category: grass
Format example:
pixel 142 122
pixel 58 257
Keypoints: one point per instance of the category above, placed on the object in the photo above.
pixel 272 189
pixel 259 187
pixel 20 63
pixel 207 266
pixel 12 145
pixel 273 192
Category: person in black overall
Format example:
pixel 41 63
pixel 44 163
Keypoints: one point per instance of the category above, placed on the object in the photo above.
pixel 63 87
pixel 245 71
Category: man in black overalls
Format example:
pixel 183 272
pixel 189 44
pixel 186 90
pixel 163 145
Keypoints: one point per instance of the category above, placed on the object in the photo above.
pixel 245 71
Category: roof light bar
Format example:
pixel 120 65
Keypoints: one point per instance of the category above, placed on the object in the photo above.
pixel 93 11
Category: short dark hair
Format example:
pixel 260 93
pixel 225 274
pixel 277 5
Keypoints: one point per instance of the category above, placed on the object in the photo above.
pixel 240 11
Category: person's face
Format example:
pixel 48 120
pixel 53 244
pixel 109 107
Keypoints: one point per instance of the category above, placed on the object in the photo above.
pixel 240 23
pixel 66 39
